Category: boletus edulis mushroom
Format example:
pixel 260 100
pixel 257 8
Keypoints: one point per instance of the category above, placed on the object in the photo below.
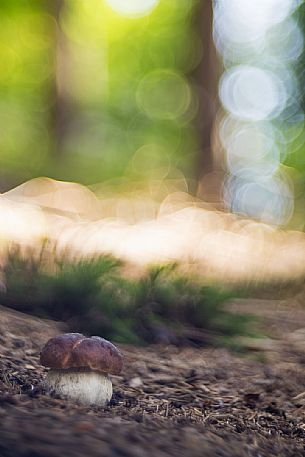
pixel 79 367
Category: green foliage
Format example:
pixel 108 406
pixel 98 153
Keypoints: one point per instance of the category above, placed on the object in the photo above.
pixel 69 288
pixel 104 116
pixel 92 295
pixel 167 300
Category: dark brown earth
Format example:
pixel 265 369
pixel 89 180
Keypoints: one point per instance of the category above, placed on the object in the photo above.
pixel 168 401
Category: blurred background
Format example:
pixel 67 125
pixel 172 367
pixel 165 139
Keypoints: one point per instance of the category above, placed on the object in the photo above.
pixel 167 131
pixel 155 89
pixel 101 89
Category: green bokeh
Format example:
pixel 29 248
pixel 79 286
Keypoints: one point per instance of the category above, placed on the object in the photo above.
pixel 101 60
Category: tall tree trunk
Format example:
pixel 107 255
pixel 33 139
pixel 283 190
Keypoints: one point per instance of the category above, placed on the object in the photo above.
pixel 206 77
pixel 60 112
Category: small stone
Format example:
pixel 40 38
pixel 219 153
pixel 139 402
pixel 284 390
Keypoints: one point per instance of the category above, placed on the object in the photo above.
pixel 135 382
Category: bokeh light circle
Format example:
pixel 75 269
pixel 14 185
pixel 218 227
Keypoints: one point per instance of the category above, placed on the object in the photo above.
pixel 133 8
pixel 151 160
pixel 252 93
pixel 251 146
pixel 163 94
pixel 269 198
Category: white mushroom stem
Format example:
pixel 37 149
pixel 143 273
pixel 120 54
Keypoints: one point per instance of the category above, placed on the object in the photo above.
pixel 81 385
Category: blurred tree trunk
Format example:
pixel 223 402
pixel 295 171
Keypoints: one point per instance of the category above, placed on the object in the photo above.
pixel 60 111
pixel 206 77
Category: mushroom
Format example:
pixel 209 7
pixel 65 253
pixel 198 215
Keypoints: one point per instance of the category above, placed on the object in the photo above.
pixel 79 367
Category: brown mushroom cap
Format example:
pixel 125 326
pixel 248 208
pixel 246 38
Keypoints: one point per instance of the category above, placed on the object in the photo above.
pixel 73 350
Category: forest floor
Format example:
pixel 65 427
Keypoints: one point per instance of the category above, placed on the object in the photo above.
pixel 169 401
